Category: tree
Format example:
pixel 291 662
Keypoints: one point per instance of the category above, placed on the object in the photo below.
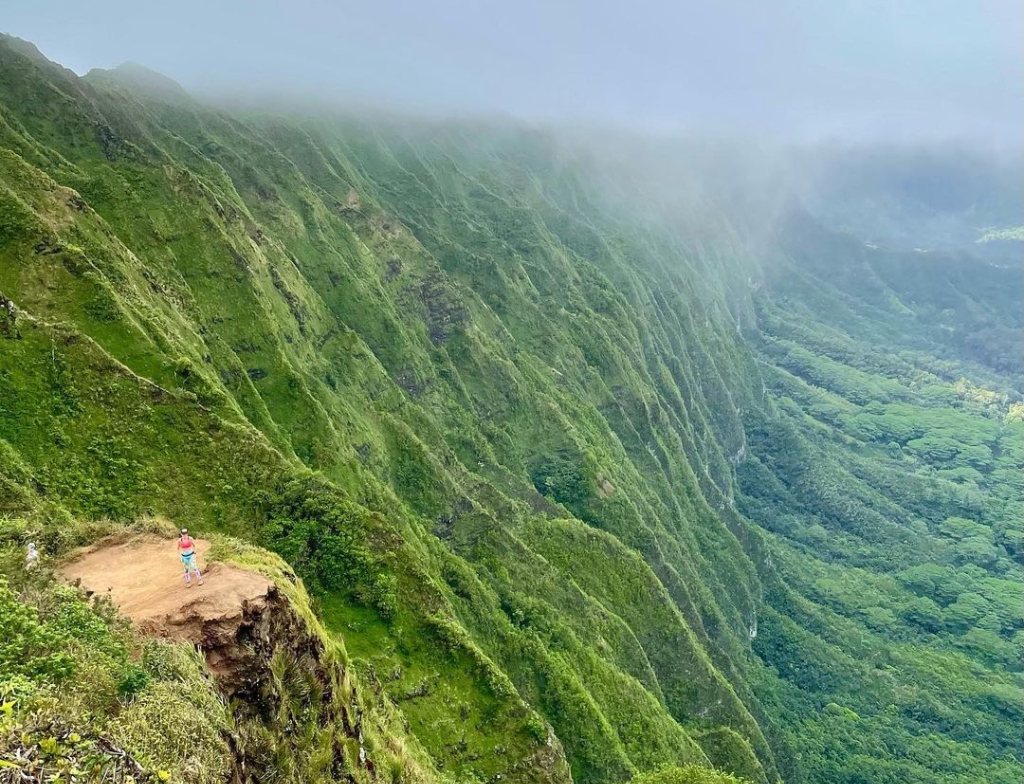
pixel 924 613
pixel 965 612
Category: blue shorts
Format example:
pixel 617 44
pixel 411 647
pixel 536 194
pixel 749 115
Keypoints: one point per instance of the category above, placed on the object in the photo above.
pixel 189 562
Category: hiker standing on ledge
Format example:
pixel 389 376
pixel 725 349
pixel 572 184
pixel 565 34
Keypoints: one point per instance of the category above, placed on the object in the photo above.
pixel 187 550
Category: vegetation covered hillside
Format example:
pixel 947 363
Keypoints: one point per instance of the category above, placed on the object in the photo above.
pixel 588 491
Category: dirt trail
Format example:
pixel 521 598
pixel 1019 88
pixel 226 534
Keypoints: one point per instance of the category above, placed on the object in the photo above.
pixel 144 578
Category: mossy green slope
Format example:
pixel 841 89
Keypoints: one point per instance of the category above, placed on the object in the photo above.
pixel 87 698
pixel 363 303
pixel 490 416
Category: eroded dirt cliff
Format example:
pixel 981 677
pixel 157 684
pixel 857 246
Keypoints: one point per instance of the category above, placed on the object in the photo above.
pixel 282 684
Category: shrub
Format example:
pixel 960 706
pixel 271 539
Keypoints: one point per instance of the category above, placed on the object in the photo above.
pixel 133 680
pixel 29 647
pixel 175 725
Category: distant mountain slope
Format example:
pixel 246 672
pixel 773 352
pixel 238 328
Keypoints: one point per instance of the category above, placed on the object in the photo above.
pixel 938 199
pixel 532 454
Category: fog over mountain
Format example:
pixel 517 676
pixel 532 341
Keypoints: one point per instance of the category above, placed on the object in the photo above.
pixel 932 69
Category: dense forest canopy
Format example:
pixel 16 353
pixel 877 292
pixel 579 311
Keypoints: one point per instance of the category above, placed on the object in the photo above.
pixel 604 464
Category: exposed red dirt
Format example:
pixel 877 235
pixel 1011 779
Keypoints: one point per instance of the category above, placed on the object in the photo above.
pixel 144 577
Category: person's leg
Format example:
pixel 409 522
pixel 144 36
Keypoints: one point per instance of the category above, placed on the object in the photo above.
pixel 199 576
pixel 188 572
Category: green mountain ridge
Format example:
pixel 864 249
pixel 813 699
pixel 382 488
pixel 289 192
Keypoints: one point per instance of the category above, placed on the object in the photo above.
pixel 586 494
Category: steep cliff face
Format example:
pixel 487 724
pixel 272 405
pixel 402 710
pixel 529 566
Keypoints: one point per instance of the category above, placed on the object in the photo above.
pixel 231 680
pixel 478 376
pixel 558 465
pixel 297 710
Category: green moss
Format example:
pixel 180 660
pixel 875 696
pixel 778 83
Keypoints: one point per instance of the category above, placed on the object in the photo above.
pixel 687 775
pixel 506 431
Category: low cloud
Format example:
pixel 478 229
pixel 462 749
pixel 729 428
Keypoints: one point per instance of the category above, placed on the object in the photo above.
pixel 789 70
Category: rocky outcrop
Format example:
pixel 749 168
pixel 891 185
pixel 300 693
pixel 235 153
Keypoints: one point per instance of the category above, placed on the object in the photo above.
pixel 277 672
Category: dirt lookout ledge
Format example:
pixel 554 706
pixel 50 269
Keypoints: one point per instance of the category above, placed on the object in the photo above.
pixel 231 617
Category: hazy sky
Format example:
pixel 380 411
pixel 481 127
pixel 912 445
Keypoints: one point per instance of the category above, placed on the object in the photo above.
pixel 789 68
